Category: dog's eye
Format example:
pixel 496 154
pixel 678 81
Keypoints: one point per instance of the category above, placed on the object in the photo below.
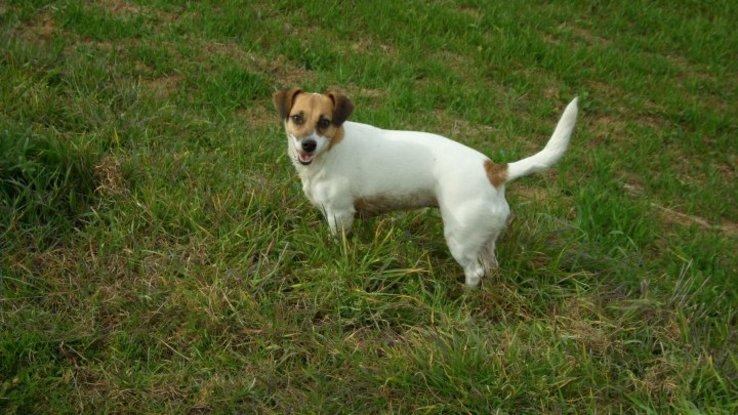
pixel 324 123
pixel 297 119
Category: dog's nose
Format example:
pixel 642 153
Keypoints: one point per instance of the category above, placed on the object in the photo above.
pixel 309 145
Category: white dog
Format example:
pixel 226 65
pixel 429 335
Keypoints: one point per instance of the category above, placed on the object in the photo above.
pixel 348 168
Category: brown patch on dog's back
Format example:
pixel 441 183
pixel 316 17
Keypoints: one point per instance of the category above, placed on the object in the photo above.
pixel 496 173
pixel 367 207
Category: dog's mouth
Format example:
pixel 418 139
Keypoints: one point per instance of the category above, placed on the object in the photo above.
pixel 305 158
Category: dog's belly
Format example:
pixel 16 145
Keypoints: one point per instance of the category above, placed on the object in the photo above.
pixel 368 206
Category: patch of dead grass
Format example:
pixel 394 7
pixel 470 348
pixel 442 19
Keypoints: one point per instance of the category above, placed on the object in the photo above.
pixel 120 6
pixel 606 127
pixel 375 97
pixel 471 11
pixel 605 90
pixel 673 216
pixel 462 65
pixel 368 44
pixel 607 123
pixel 452 126
pixel 228 49
pixel 258 116
pixel 109 176
pixel 669 215
pixel 689 69
pixel 589 37
pixel 288 74
pixel 280 68
pixel 41 28
pixel 662 379
pixel 163 86
pixel 535 194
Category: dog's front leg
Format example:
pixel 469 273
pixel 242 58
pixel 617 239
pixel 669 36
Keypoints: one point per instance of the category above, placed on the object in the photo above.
pixel 339 219
pixel 338 208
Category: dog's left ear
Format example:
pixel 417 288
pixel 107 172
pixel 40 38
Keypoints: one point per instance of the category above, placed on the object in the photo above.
pixel 283 101
pixel 342 107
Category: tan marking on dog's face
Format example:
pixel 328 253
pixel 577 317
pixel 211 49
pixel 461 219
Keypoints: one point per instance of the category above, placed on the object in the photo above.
pixel 375 205
pixel 313 112
pixel 496 173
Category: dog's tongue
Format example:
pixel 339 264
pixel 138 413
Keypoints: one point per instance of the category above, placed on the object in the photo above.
pixel 304 156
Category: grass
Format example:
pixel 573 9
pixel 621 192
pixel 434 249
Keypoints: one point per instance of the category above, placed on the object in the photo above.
pixel 158 255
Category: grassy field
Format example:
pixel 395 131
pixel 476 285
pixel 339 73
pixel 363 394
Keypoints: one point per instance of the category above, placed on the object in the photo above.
pixel 158 255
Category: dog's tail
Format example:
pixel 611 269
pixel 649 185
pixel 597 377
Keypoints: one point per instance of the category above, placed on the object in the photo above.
pixel 553 151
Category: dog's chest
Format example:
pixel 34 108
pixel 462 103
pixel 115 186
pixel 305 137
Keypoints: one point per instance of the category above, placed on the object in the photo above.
pixel 316 189
pixel 309 191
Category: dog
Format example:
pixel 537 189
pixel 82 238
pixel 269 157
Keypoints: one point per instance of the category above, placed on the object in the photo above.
pixel 350 169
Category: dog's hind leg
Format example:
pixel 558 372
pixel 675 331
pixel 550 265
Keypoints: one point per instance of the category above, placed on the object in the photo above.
pixel 487 256
pixel 471 231
pixel 467 256
pixel 466 236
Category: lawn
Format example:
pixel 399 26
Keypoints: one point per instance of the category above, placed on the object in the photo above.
pixel 158 255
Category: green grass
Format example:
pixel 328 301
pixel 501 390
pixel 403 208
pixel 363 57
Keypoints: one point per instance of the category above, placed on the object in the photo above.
pixel 158 255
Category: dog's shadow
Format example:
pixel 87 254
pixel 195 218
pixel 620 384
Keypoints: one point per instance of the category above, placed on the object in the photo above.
pixel 413 238
pixel 421 228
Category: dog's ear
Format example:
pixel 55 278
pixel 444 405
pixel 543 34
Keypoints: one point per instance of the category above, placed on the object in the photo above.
pixel 283 101
pixel 342 107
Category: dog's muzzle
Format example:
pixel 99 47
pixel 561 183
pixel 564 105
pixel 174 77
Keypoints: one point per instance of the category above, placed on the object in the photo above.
pixel 305 155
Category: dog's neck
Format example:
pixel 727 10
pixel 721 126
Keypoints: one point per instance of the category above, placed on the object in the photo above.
pixel 313 170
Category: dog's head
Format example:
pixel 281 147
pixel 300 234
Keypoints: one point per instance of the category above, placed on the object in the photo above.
pixel 312 121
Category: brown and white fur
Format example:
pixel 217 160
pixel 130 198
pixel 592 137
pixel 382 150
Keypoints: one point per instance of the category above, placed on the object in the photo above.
pixel 349 169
